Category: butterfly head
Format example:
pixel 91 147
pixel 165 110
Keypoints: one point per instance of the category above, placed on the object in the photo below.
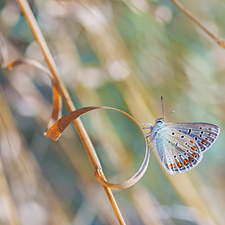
pixel 159 121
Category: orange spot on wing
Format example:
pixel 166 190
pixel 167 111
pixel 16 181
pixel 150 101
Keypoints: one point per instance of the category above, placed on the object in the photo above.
pixel 193 154
pixel 192 142
pixel 203 142
pixel 193 147
pixel 206 139
pixel 210 128
pixel 209 134
pixel 171 165
pixel 179 164
pixel 185 161
pixel 190 159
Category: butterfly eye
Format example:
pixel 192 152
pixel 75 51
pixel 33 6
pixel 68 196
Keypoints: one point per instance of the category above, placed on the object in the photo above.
pixel 189 131
pixel 186 143
pixel 182 136
pixel 202 132
pixel 173 133
pixel 179 130
pixel 200 128
pixel 196 138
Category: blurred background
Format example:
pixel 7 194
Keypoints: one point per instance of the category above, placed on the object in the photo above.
pixel 123 54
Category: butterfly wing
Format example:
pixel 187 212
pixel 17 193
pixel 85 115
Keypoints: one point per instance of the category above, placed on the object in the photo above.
pixel 177 153
pixel 204 133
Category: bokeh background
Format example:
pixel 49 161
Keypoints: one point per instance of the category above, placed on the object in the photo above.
pixel 123 54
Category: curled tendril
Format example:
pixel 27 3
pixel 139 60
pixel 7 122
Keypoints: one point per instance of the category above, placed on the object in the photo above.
pixel 56 130
pixel 56 97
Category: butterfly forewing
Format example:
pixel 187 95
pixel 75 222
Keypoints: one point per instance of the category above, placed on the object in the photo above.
pixel 204 133
pixel 176 152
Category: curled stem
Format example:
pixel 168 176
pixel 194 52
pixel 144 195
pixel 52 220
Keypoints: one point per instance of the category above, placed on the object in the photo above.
pixel 56 130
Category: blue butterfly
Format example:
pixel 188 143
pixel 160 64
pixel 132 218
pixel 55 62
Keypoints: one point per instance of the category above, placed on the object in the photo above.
pixel 180 146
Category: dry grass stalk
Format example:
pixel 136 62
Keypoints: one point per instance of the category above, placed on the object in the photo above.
pixel 77 123
pixel 220 41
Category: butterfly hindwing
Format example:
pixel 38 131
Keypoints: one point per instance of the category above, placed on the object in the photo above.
pixel 204 133
pixel 176 151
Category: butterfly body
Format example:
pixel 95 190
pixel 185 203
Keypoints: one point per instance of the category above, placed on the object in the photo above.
pixel 180 146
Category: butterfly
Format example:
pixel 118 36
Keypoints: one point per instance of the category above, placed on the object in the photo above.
pixel 180 146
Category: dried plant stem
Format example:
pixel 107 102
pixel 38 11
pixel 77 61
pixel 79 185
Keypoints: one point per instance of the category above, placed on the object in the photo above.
pixel 219 40
pixel 67 100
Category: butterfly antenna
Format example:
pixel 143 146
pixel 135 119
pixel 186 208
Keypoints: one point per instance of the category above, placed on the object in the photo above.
pixel 162 106
pixel 170 115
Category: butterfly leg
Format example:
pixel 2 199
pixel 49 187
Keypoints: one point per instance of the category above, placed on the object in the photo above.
pixel 145 124
pixel 148 135
pixel 149 143
pixel 150 149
